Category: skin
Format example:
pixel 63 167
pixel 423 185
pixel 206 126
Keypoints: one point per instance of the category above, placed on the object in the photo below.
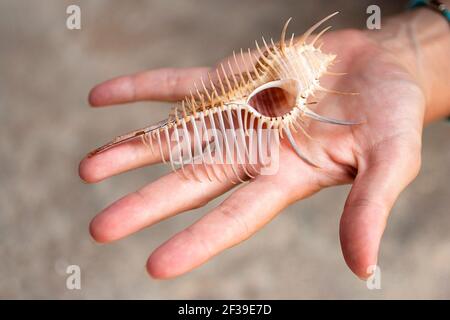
pixel 379 157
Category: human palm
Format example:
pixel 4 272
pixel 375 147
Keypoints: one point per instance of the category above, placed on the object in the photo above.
pixel 380 157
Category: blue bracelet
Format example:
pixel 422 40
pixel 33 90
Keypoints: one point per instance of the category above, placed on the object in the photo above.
pixel 433 4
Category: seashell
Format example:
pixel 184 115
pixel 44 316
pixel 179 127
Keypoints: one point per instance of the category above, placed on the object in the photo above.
pixel 227 115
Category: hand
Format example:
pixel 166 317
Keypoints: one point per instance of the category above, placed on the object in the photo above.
pixel 380 157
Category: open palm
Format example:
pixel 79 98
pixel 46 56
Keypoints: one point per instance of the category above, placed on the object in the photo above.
pixel 380 157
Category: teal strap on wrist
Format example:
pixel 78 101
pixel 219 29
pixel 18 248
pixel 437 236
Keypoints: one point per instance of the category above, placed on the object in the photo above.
pixel 433 4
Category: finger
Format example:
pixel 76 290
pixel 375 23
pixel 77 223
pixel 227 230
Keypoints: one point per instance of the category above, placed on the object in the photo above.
pixel 159 200
pixel 121 158
pixel 237 218
pixel 387 171
pixel 143 150
pixel 167 84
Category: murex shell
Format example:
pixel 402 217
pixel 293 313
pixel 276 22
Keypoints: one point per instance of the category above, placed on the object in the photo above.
pixel 265 90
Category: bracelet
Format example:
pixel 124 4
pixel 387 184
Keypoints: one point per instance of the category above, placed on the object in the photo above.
pixel 433 4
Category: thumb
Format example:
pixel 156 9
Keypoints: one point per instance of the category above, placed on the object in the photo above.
pixel 381 177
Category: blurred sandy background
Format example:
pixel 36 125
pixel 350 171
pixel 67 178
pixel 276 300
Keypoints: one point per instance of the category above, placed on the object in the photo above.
pixel 46 127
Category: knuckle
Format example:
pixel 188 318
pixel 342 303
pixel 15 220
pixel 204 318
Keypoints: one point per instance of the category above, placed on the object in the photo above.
pixel 172 79
pixel 231 212
pixel 366 203
pixel 196 237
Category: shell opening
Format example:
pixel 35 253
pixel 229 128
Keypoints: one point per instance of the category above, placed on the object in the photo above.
pixel 274 99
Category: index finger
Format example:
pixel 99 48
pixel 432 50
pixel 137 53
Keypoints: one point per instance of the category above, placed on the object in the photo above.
pixel 168 84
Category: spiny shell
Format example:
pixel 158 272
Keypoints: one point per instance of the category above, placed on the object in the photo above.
pixel 294 67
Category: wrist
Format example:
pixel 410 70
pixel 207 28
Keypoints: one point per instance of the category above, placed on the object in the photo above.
pixel 420 41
